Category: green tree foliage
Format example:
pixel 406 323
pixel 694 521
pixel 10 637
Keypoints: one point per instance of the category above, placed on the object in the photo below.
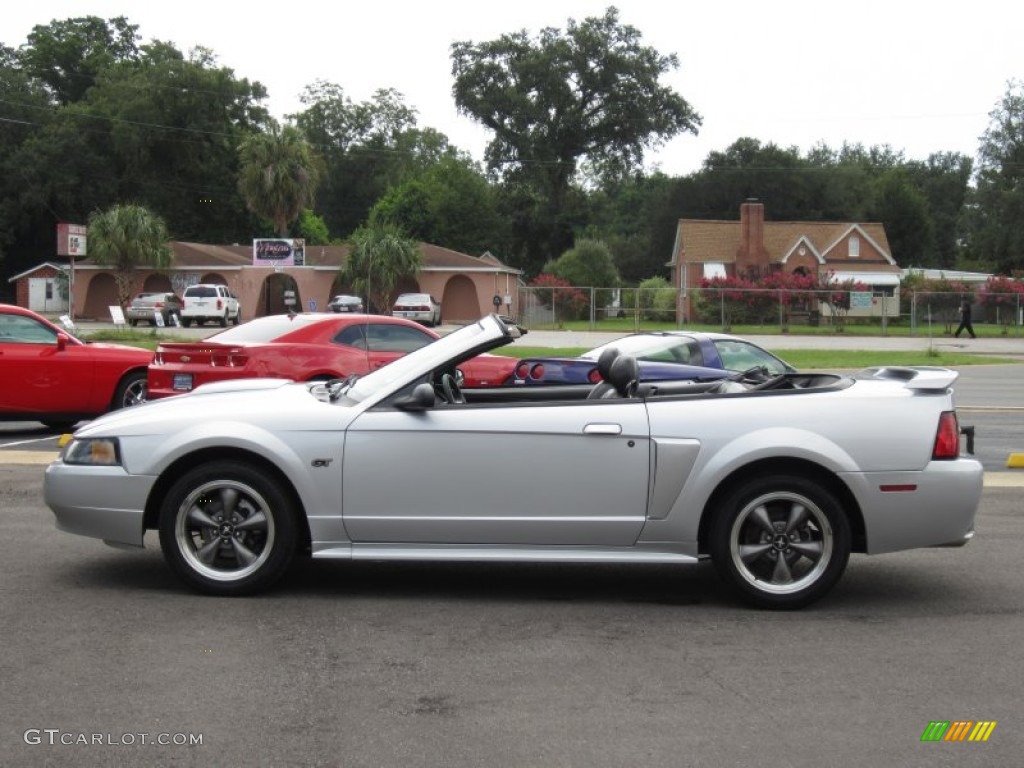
pixel 590 93
pixel 588 264
pixel 278 176
pixel 311 228
pixel 903 210
pixel 449 204
pixel 153 127
pixel 368 147
pixel 944 181
pixel 126 237
pixel 657 299
pixel 997 237
pixel 635 217
pixel 68 56
pixel 381 255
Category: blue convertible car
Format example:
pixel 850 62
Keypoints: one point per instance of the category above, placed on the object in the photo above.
pixel 661 355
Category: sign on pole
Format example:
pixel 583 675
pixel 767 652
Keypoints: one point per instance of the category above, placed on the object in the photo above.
pixel 71 242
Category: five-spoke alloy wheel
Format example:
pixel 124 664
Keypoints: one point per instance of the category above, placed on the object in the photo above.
pixel 781 541
pixel 226 529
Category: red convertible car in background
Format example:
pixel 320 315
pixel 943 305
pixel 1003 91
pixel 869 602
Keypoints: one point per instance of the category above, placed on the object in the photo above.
pixel 304 347
pixel 48 375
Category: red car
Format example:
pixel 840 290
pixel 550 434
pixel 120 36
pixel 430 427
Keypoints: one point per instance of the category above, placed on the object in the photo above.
pixel 304 347
pixel 48 375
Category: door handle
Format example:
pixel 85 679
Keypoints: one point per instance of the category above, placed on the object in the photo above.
pixel 602 429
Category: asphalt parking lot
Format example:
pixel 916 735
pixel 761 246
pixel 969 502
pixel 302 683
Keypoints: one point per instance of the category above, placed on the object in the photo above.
pixel 373 664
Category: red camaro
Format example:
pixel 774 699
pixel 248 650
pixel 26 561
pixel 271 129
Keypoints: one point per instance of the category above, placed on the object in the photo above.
pixel 48 375
pixel 304 347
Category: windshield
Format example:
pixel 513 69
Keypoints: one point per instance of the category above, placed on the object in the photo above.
pixel 449 347
pixel 669 349
pixel 265 328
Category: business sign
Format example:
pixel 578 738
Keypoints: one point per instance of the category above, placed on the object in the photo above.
pixel 860 299
pixel 71 240
pixel 278 252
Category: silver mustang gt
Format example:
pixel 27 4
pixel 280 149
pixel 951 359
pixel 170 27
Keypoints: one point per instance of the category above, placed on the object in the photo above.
pixel 776 478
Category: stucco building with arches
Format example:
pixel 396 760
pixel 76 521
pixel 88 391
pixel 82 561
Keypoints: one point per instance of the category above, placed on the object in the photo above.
pixel 466 286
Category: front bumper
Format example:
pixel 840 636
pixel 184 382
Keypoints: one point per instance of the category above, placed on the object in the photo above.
pixel 101 502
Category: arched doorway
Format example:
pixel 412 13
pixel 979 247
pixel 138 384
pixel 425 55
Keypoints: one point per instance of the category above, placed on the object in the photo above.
pixel 101 294
pixel 460 302
pixel 278 294
pixel 157 283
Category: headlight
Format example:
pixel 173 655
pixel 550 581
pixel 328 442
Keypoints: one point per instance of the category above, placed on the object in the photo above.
pixel 98 451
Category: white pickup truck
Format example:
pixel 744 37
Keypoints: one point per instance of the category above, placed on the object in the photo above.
pixel 209 301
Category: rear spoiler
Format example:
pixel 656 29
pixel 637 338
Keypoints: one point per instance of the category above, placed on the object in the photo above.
pixel 921 377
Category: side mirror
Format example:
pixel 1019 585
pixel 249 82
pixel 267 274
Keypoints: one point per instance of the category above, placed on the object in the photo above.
pixel 422 398
pixel 62 342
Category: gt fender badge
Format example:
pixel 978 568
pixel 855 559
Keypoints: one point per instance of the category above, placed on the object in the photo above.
pixel 321 463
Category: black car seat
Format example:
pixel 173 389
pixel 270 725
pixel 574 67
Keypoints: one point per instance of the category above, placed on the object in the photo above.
pixel 604 367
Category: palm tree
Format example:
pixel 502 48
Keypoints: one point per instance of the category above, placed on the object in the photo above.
pixel 279 175
pixel 126 237
pixel 381 255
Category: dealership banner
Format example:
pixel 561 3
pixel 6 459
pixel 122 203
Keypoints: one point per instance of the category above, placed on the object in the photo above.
pixel 278 252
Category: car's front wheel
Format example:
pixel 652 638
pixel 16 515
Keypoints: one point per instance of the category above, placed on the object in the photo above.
pixel 226 529
pixel 781 541
pixel 131 391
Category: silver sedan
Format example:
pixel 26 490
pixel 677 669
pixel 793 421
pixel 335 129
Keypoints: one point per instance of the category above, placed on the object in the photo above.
pixel 776 478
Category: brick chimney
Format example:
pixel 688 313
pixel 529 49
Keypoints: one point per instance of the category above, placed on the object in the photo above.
pixel 751 252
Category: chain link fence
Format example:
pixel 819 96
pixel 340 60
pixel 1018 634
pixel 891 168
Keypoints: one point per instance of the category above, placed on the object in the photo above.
pixel 774 310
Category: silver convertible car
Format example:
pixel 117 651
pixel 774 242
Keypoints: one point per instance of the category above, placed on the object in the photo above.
pixel 776 478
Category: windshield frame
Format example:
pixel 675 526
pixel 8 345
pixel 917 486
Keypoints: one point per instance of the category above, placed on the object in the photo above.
pixel 468 341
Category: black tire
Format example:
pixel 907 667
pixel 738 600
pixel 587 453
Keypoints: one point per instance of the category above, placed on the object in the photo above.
pixel 186 322
pixel 227 530
pixel 133 323
pixel 780 541
pixel 131 391
pixel 237 318
pixel 223 320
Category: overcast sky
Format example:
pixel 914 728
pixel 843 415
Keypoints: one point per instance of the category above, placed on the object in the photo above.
pixel 921 77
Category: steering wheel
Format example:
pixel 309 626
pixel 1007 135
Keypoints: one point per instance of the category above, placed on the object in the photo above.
pixel 450 389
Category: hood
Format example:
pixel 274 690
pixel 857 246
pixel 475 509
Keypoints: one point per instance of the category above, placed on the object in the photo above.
pixel 240 400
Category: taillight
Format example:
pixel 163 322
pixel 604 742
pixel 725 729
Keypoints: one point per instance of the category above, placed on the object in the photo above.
pixel 537 372
pixel 594 376
pixel 521 370
pixel 947 438
pixel 220 304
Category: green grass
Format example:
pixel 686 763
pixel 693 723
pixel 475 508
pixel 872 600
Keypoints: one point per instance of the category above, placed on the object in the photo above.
pixel 809 359
pixel 133 338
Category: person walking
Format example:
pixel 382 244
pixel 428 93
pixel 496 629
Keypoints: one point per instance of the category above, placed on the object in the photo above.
pixel 965 320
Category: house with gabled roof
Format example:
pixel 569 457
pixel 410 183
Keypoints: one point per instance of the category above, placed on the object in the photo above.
pixel 753 246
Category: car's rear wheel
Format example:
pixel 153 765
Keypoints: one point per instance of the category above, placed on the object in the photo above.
pixel 223 320
pixel 226 529
pixel 781 541
pixel 186 322
pixel 131 391
pixel 133 323
pixel 237 318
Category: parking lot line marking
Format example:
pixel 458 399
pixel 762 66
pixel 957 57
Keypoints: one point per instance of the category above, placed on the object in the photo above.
pixel 28 442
